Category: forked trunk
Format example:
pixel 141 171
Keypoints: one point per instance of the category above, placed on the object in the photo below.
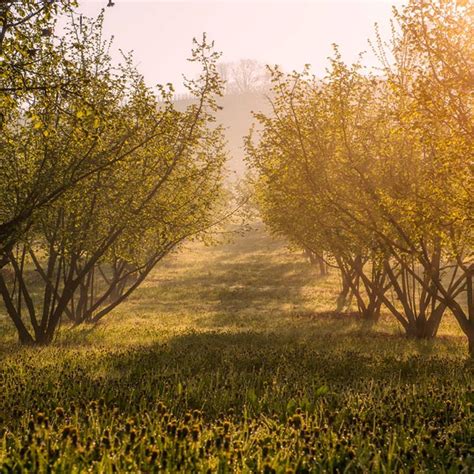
pixel 426 328
pixel 372 312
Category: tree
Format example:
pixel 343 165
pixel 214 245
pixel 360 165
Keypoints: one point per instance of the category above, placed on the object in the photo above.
pixel 24 26
pixel 373 169
pixel 435 88
pixel 298 161
pixel 159 185
pixel 244 76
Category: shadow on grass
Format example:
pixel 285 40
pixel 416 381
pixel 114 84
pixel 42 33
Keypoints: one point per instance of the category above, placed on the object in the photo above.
pixel 237 283
pixel 215 371
pixel 256 287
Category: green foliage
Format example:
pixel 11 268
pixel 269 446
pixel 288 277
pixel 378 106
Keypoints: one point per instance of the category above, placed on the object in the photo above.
pixel 374 171
pixel 102 176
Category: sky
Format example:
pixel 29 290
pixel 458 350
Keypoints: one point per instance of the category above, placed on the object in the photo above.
pixel 288 33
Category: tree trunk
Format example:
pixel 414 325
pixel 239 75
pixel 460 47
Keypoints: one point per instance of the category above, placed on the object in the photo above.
pixel 24 336
pixel 43 339
pixel 322 266
pixel 344 295
pixel 372 312
pixel 470 343
pixel 423 328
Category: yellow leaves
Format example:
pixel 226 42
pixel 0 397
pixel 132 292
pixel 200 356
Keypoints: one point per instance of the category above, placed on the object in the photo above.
pixel 88 116
pixel 37 123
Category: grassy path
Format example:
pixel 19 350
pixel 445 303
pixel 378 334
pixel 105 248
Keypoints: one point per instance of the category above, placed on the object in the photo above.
pixel 231 359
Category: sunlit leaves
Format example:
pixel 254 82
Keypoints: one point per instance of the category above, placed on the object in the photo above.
pixel 380 166
pixel 103 169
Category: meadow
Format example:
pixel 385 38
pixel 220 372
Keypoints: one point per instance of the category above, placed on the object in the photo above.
pixel 231 358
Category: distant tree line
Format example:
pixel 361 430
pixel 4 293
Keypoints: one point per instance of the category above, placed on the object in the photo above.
pixel 373 172
pixel 244 76
pixel 239 77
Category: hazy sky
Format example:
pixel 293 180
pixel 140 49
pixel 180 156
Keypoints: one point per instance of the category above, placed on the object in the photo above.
pixel 289 33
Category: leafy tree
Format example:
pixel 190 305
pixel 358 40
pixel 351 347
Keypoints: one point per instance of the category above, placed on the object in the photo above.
pixel 155 181
pixel 375 170
pixel 299 188
pixel 433 85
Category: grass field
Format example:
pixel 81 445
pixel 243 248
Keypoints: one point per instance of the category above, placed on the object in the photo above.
pixel 230 358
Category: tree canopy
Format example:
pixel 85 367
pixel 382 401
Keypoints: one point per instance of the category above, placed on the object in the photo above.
pixel 101 177
pixel 374 169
